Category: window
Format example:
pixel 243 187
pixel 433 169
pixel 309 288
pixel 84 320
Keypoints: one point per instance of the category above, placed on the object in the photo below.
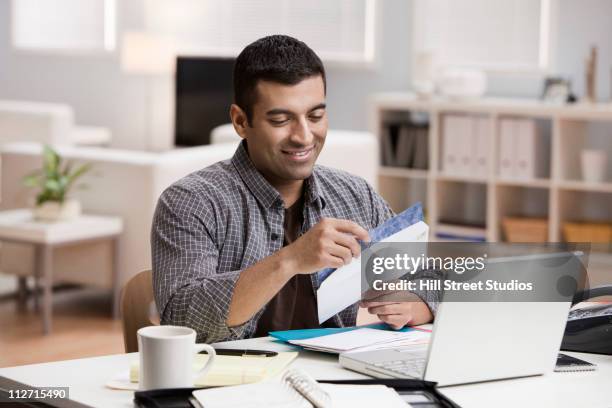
pixel 339 30
pixel 63 25
pixel 504 35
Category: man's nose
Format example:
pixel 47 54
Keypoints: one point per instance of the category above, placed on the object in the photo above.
pixel 301 133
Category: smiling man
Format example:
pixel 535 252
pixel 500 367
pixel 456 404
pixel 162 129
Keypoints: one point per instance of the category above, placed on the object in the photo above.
pixel 236 246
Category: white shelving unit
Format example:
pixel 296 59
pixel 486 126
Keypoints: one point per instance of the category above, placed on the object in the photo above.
pixel 482 200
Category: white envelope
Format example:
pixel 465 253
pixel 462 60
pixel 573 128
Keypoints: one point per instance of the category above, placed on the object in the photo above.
pixel 343 287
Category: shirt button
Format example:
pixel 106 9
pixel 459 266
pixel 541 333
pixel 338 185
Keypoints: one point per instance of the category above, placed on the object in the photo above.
pixel 274 236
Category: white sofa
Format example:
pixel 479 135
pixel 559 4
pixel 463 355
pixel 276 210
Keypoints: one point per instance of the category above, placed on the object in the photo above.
pixel 128 184
pixel 50 123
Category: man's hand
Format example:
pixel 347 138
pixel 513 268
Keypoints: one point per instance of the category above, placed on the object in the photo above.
pixel 331 243
pixel 399 314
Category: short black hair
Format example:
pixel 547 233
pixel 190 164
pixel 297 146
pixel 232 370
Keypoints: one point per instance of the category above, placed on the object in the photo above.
pixel 275 58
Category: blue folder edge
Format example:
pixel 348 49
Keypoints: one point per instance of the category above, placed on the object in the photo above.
pixel 303 334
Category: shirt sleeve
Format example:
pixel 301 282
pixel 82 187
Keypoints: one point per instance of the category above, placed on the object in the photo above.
pixel 381 212
pixel 188 290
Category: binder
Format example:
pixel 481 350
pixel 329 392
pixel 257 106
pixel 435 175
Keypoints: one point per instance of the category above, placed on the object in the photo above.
pixel 507 153
pixel 458 144
pixel 481 141
pixel 531 158
pixel 421 148
pixel 406 146
pixel 525 149
pixel 386 147
pixel 450 144
pixel 465 144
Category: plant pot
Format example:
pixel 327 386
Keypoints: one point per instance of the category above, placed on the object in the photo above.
pixel 56 211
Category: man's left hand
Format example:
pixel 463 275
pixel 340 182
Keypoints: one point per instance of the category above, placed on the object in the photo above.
pixel 400 314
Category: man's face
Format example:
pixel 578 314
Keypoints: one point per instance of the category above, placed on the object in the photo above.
pixel 288 129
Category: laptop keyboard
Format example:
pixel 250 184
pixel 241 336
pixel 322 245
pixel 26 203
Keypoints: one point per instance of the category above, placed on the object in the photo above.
pixel 413 367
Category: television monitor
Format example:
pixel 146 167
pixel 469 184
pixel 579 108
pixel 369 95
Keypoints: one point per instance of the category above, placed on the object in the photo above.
pixel 204 94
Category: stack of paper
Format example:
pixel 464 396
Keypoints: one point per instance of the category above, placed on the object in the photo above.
pixel 364 340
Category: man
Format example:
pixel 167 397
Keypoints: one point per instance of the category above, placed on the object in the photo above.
pixel 236 246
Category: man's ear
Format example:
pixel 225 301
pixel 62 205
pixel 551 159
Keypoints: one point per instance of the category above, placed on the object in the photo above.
pixel 239 120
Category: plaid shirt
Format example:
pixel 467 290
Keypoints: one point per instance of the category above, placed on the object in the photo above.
pixel 218 221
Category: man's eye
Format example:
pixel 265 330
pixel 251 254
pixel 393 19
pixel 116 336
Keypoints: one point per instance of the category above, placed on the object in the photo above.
pixel 316 118
pixel 278 122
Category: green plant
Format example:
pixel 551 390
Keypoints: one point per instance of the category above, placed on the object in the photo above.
pixel 55 179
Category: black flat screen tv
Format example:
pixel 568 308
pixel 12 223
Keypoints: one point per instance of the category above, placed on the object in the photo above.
pixel 204 94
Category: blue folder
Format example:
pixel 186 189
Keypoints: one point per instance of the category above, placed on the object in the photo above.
pixel 311 333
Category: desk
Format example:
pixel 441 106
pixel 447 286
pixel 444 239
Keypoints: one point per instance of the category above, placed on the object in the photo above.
pixel 86 378
pixel 19 226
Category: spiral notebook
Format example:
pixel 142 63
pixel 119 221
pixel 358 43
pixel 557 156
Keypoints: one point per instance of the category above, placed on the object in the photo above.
pixel 297 389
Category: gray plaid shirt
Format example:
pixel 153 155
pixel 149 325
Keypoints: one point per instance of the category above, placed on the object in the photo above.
pixel 218 221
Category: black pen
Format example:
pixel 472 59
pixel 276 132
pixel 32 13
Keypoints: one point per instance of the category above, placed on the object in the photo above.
pixel 244 352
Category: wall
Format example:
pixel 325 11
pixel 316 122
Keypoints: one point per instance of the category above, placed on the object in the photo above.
pixel 580 24
pixel 94 85
pixel 103 95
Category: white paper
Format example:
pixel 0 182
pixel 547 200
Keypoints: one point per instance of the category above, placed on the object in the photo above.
pixel 363 396
pixel 343 287
pixel 364 339
pixel 413 341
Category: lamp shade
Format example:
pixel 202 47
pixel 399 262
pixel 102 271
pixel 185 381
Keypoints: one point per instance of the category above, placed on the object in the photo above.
pixel 143 53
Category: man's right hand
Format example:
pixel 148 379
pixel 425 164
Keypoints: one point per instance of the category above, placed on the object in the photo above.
pixel 331 243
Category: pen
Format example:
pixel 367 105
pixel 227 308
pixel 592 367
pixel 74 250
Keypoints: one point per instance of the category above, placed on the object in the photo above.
pixel 245 352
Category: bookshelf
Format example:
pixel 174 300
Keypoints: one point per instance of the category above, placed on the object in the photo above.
pixel 476 203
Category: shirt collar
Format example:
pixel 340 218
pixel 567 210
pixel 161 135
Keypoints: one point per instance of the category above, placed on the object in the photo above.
pixel 263 191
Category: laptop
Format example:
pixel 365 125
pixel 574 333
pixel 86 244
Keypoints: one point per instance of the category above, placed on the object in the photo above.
pixel 484 340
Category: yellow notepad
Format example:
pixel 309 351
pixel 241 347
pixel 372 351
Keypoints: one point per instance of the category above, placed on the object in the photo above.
pixel 234 370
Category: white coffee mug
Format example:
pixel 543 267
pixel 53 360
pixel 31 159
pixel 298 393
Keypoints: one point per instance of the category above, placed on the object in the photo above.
pixel 166 357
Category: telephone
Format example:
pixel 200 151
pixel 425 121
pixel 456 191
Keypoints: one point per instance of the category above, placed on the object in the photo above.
pixel 589 329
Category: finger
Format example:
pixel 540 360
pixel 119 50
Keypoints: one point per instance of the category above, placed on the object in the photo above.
pixel 374 304
pixel 396 321
pixel 352 228
pixel 386 296
pixel 341 252
pixel 373 294
pixel 394 308
pixel 390 320
pixel 348 241
pixel 369 294
pixel 334 262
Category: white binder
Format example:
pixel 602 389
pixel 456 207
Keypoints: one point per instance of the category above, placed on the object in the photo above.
pixel 481 140
pixel 507 148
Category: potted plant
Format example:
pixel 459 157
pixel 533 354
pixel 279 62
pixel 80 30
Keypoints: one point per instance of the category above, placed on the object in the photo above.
pixel 55 179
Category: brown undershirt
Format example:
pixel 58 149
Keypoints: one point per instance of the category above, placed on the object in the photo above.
pixel 294 306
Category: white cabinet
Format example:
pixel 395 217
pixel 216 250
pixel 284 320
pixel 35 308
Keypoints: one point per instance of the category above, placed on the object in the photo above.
pixel 522 159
